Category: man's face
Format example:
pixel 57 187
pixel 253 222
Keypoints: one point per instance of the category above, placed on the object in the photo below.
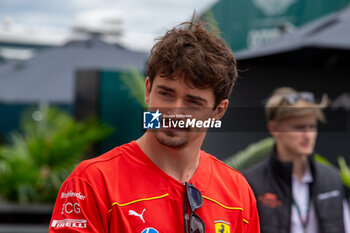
pixel 176 97
pixel 296 135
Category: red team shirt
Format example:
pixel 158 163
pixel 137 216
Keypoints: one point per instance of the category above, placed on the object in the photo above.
pixel 123 191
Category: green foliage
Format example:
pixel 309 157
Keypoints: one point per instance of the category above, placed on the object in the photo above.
pixel 344 171
pixel 40 157
pixel 254 153
pixel 135 82
pixel 322 160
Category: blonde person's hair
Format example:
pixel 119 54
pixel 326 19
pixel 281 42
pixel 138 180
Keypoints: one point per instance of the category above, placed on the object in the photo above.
pixel 278 108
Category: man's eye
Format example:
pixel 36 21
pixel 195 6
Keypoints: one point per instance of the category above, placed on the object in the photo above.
pixel 193 102
pixel 164 93
pixel 312 127
pixel 299 127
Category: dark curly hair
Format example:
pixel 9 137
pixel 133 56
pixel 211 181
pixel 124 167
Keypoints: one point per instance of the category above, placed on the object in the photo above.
pixel 200 56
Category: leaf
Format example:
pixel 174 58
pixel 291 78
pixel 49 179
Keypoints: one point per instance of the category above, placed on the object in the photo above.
pixel 36 161
pixel 135 82
pixel 322 160
pixel 344 171
pixel 254 153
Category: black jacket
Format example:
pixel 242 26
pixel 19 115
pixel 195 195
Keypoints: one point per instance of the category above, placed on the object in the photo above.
pixel 271 181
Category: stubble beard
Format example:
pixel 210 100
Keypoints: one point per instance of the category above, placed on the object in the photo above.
pixel 172 139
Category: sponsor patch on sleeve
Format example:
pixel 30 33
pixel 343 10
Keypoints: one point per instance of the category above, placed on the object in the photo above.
pixel 70 193
pixel 69 223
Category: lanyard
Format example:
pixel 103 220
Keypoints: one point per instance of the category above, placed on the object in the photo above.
pixel 305 221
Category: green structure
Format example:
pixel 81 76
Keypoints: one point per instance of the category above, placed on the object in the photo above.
pixel 252 23
pixel 119 109
pixel 106 95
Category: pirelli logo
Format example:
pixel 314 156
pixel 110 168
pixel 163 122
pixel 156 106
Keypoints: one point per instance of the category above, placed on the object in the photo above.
pixel 69 223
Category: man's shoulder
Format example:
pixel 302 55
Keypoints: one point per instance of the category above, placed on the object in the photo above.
pixel 225 172
pixel 328 169
pixel 103 163
pixel 327 172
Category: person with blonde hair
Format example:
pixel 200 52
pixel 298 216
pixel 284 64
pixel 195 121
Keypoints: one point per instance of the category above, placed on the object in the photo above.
pixel 296 194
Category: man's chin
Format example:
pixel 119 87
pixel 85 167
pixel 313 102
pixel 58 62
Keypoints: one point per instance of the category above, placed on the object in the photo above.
pixel 173 139
pixel 306 152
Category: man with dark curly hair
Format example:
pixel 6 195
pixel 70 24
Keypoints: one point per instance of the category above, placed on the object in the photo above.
pixel 163 182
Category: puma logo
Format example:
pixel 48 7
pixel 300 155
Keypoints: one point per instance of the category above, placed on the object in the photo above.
pixel 131 212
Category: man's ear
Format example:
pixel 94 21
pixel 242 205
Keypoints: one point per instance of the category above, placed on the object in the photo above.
pixel 272 127
pixel 220 109
pixel 147 90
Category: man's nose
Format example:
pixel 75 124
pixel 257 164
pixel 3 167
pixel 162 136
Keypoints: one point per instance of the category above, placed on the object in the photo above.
pixel 309 133
pixel 178 104
pixel 176 107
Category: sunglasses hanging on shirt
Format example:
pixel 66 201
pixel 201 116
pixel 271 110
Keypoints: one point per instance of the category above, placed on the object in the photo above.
pixel 193 223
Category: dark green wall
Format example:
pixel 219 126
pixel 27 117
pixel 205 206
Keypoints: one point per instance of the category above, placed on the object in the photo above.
pixel 242 22
pixel 119 109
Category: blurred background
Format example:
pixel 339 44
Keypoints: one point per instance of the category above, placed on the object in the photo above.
pixel 72 76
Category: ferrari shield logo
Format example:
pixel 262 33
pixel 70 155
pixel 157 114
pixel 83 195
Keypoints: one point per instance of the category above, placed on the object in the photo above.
pixel 222 226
